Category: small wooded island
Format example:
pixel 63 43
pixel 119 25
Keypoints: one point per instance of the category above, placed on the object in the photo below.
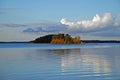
pixel 58 39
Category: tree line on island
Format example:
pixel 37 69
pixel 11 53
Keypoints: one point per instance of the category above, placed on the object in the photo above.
pixel 58 39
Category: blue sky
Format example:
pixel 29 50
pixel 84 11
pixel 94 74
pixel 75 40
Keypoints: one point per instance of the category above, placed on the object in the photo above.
pixel 29 19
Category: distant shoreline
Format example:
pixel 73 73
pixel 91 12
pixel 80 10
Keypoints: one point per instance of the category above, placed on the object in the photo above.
pixel 101 41
pixel 86 41
pixel 61 38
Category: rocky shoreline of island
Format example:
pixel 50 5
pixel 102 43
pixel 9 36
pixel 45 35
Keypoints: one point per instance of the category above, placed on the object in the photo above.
pixel 62 39
pixel 58 39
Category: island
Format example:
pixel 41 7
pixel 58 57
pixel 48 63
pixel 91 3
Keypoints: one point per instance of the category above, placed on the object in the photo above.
pixel 58 39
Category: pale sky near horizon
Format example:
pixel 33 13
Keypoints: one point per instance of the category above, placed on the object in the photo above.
pixel 24 20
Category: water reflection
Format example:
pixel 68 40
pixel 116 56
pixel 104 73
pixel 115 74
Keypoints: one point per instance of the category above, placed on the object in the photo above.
pixel 60 64
pixel 85 61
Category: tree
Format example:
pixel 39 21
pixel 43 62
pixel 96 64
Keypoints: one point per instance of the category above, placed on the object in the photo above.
pixel 58 39
pixel 76 39
pixel 68 39
pixel 61 35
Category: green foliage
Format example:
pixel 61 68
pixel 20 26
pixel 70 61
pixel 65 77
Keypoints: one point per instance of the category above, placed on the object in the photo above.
pixel 58 39
pixel 43 39
pixel 76 39
pixel 68 39
pixel 61 35
pixel 58 36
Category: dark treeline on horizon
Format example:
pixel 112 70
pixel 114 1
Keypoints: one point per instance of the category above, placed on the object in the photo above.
pixel 62 39
pixel 86 41
pixel 101 41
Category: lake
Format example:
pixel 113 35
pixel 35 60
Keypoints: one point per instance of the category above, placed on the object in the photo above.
pixel 95 61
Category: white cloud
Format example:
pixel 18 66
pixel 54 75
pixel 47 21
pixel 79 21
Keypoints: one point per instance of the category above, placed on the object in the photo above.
pixel 105 25
pixel 117 21
pixel 117 24
pixel 97 22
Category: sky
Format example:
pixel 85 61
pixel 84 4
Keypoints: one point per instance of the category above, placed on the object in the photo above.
pixel 24 20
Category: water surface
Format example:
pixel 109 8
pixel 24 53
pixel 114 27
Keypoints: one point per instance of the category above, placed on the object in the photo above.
pixel 90 63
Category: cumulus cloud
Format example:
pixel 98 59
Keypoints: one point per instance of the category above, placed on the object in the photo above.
pixel 97 22
pixel 105 25
pixel 117 23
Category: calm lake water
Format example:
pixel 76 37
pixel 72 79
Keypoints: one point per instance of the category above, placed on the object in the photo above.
pixel 20 61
